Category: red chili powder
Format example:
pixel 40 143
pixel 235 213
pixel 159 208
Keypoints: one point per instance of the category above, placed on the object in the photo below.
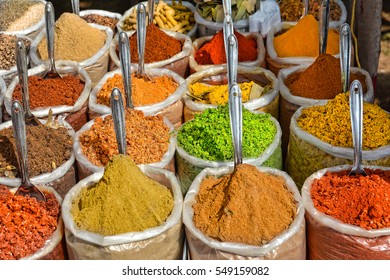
pixel 213 52
pixel 52 91
pixel 359 200
pixel 25 223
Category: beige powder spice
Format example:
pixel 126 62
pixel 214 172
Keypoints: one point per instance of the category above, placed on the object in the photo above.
pixel 74 39
pixel 246 206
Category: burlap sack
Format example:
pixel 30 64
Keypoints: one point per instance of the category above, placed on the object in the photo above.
pixel 177 63
pixel 290 244
pixel 216 75
pixel 198 43
pixel 289 103
pixel 96 66
pixel 158 243
pixel 78 109
pixel 347 241
pixel 171 108
pixel 61 179
pixel 307 154
pixel 85 167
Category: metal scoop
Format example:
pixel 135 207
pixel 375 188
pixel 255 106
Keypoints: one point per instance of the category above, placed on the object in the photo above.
pixel 141 38
pixel 227 31
pixel 26 188
pixel 305 10
pixel 76 7
pixel 345 55
pixel 235 100
pixel 124 55
pixel 118 117
pixel 151 11
pixel 356 111
pixel 21 65
pixel 49 19
pixel 323 25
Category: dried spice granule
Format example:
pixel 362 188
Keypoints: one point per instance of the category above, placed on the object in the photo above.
pixel 51 92
pixel 332 123
pixel 356 200
pixel 147 139
pixel 102 20
pixel 246 206
pixel 25 223
pixel 16 15
pixel 7 50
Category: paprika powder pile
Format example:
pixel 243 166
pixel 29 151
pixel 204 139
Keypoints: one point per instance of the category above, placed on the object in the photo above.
pixel 321 80
pixel 25 223
pixel 354 199
pixel 213 52
pixel 51 92
pixel 158 45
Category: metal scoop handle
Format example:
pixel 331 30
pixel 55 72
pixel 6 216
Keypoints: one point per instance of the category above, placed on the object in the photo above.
pixel 345 55
pixel 235 113
pixel 141 37
pixel 323 25
pixel 227 31
pixel 49 20
pixel 118 117
pixel 151 11
pixel 305 8
pixel 76 7
pixel 21 65
pixel 356 112
pixel 232 59
pixel 125 59
pixel 227 7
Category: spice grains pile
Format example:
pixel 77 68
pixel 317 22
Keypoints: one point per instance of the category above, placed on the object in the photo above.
pixel 246 207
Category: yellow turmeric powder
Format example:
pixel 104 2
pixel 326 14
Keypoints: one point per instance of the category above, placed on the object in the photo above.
pixel 218 94
pixel 144 92
pixel 303 40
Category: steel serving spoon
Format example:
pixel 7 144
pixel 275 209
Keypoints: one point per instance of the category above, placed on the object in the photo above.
pixel 26 188
pixel 323 25
pixel 345 55
pixel 76 7
pixel 21 65
pixel 125 61
pixel 118 117
pixel 141 38
pixel 356 112
pixel 151 11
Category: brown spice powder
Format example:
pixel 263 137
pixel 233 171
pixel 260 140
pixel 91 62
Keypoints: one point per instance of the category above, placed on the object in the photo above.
pixel 246 206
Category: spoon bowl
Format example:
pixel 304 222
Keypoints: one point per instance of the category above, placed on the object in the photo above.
pixel 26 188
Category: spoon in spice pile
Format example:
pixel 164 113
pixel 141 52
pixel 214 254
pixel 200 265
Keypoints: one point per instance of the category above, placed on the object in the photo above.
pixel 305 10
pixel 49 20
pixel 21 65
pixel 151 11
pixel 227 30
pixel 235 100
pixel 26 188
pixel 118 117
pixel 345 55
pixel 356 112
pixel 323 25
pixel 124 56
pixel 76 7
pixel 141 38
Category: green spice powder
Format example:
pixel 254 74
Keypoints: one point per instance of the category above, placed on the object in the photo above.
pixel 208 135
pixel 124 200
pixel 332 123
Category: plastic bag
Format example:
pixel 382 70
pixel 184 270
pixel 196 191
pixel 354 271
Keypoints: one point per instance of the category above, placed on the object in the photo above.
pixel 96 66
pixel 267 16
pixel 208 27
pixel 85 167
pixel 188 166
pixel 348 241
pixel 64 68
pixel 198 43
pixel 275 63
pixel 191 33
pixel 162 242
pixel 61 179
pixel 216 75
pixel 290 244
pixel 289 103
pixel 32 31
pixel 2 92
pixel 177 63
pixel 307 154
pixel 171 107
